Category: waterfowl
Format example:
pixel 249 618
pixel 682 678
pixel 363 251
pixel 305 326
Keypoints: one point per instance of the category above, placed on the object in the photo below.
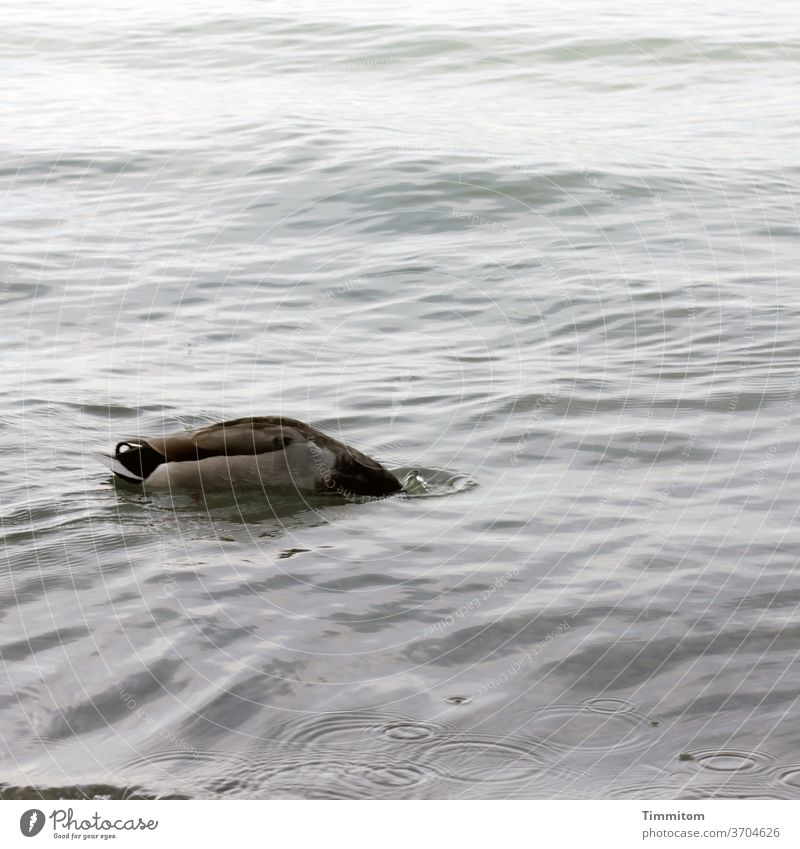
pixel 264 451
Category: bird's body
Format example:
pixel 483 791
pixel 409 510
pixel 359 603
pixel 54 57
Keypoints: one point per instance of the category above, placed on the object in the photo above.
pixel 270 452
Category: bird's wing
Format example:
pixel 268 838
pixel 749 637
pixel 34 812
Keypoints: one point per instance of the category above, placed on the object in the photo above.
pixel 240 436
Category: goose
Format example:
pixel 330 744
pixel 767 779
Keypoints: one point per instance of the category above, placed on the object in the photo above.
pixel 263 451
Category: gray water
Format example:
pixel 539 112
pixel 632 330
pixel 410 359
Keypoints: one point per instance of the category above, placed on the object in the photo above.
pixel 540 261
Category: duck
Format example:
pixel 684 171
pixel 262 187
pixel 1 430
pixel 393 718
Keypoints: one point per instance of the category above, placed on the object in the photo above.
pixel 269 452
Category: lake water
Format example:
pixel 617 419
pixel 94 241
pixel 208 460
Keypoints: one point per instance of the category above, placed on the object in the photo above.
pixel 541 261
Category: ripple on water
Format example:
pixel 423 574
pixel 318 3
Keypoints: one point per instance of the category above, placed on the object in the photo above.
pixel 600 725
pixel 609 705
pixel 405 731
pixel 732 790
pixel 376 731
pixel 432 483
pixel 662 788
pixel 729 773
pixel 370 754
pixel 697 786
pixel 334 777
pixel 402 753
pixel 732 760
pixel 788 775
pixel 480 759
pixel 187 769
pixel 318 774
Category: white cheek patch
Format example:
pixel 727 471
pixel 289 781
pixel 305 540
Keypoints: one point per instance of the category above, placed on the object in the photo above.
pixel 124 447
pixel 117 467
